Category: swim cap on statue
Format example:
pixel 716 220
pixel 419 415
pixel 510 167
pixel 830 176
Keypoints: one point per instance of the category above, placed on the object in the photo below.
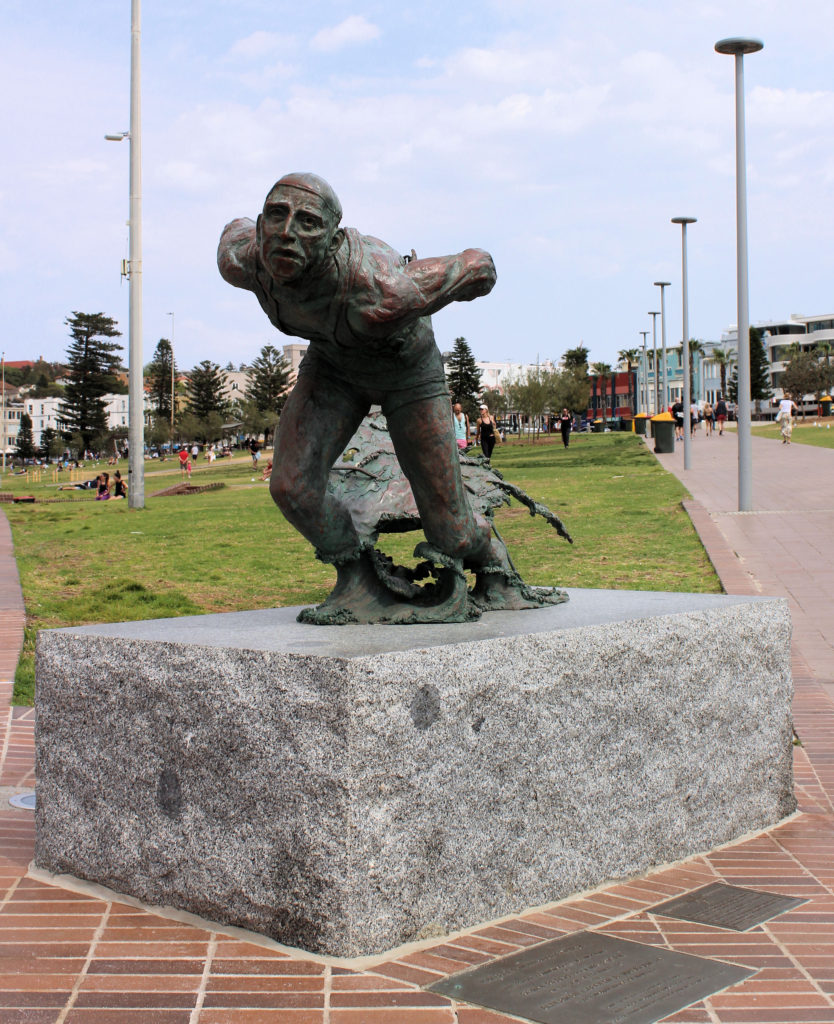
pixel 312 183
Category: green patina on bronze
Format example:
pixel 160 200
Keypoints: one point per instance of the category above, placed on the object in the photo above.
pixel 366 312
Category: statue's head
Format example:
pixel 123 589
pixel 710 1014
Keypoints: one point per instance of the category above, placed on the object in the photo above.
pixel 298 229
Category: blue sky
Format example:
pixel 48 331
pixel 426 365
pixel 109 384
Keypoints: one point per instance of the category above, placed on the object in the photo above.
pixel 562 137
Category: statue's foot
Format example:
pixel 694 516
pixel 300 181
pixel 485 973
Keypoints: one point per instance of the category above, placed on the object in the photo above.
pixel 361 596
pixel 500 591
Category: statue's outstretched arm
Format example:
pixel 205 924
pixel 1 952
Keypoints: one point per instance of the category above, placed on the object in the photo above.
pixel 400 294
pixel 236 252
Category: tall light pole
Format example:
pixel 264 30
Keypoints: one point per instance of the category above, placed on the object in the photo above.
pixel 171 315
pixel 656 389
pixel 738 48
pixel 663 285
pixel 136 390
pixel 687 383
pixel 644 391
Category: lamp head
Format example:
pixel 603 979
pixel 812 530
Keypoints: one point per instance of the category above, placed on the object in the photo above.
pixel 737 45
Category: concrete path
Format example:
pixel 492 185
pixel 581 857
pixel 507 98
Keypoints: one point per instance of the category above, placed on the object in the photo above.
pixel 786 545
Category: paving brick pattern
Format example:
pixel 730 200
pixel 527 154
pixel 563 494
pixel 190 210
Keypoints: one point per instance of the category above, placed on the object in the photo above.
pixel 66 957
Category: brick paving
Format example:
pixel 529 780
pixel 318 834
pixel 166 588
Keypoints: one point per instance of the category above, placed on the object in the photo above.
pixel 69 958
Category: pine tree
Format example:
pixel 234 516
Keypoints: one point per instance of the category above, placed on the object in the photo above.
pixel 464 377
pixel 48 443
pixel 269 383
pixel 25 441
pixel 760 389
pixel 205 388
pixel 161 372
pixel 92 367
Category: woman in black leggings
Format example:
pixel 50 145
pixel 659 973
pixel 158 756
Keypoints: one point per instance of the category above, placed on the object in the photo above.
pixel 486 432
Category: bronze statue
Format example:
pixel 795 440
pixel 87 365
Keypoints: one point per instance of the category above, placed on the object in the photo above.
pixel 366 313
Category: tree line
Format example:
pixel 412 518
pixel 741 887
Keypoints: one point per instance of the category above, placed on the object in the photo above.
pixel 93 369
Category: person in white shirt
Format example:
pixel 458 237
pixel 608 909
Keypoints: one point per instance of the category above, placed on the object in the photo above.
pixel 787 411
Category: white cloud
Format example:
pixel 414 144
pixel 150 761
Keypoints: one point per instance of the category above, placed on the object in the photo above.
pixel 353 30
pixel 260 44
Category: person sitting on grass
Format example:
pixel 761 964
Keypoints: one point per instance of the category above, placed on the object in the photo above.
pixel 268 471
pixel 119 486
pixel 86 485
pixel 103 487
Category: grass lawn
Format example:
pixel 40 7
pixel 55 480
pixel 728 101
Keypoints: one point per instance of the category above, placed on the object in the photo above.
pixel 803 433
pixel 84 561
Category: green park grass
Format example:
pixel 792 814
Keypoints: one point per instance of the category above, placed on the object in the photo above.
pixel 229 549
pixel 803 433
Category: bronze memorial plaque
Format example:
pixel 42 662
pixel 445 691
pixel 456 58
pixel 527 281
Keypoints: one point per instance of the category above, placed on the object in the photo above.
pixel 592 979
pixel 728 906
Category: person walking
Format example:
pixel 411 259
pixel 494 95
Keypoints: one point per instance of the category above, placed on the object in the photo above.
pixel 486 432
pixel 565 422
pixel 709 420
pixel 461 421
pixel 677 412
pixel 721 414
pixel 785 416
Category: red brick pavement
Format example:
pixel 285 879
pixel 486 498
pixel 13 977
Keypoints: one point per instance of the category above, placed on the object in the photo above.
pixel 67 958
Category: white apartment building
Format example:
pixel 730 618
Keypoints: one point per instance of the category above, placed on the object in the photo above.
pixel 809 332
pixel 45 413
pixel 11 409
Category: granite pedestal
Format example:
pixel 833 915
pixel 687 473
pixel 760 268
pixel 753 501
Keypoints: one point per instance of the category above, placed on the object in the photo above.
pixel 347 789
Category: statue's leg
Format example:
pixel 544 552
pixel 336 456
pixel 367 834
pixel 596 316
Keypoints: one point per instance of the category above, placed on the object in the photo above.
pixel 316 423
pixel 318 420
pixel 424 439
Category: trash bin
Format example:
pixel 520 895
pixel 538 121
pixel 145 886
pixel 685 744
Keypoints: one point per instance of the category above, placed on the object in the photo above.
pixel 664 433
pixel 625 423
pixel 598 426
pixel 825 403
pixel 640 424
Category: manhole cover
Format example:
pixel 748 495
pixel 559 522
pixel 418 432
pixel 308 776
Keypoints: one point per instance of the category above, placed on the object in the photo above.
pixel 592 979
pixel 728 906
pixel 24 800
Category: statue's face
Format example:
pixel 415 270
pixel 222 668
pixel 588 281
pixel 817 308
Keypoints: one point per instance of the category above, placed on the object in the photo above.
pixel 296 232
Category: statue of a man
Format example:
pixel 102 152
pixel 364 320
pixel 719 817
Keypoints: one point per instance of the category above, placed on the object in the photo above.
pixel 366 313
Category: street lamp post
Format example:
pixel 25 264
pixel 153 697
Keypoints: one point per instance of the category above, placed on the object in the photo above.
pixel 663 285
pixel 687 384
pixel 136 390
pixel 171 315
pixel 656 389
pixel 738 48
pixel 644 390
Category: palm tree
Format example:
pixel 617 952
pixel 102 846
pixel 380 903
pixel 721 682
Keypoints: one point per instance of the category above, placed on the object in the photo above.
pixel 602 371
pixel 630 356
pixel 724 357
pixel 695 347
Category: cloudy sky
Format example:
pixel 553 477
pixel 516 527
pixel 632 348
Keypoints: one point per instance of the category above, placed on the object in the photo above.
pixel 561 136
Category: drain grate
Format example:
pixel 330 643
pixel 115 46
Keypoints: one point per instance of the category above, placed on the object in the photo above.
pixel 26 801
